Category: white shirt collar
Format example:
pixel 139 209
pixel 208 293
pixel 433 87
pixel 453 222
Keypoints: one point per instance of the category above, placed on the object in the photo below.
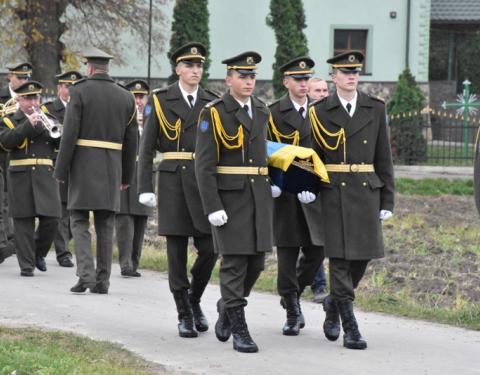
pixel 12 93
pixel 64 103
pixel 185 94
pixel 298 106
pixel 353 103
pixel 249 103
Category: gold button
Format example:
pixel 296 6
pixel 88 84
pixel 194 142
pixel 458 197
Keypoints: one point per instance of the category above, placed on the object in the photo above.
pixel 250 161
pixel 183 149
pixel 184 167
pixel 364 184
pixel 33 168
pixel 266 179
pixel 252 180
pixel 365 141
pixel 343 184
pixel 33 154
pixel 31 141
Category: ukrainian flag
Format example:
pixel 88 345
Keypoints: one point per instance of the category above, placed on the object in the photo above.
pixel 295 168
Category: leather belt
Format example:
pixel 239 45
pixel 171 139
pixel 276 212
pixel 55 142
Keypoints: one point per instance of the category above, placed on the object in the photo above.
pixel 19 162
pixel 99 144
pixel 263 171
pixel 178 156
pixel 347 168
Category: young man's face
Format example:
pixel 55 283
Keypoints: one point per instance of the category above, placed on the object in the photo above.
pixel 29 103
pixel 16 81
pixel 241 85
pixel 140 101
pixel 62 91
pixel 297 87
pixel 317 90
pixel 189 73
pixel 346 81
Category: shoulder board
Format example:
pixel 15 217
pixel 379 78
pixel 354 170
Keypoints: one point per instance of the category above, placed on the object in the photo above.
pixel 213 102
pixel 122 86
pixel 274 102
pixel 79 81
pixel 214 93
pixel 377 98
pixel 311 104
pixel 160 89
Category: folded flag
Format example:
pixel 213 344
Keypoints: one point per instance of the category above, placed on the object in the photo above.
pixel 295 168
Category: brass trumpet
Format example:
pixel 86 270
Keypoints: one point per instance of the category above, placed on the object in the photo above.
pixel 8 108
pixel 50 123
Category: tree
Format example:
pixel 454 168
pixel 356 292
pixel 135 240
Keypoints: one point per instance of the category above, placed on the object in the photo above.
pixel 190 24
pixel 51 32
pixel 408 143
pixel 287 18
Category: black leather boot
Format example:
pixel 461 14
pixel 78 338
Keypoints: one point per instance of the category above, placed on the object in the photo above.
pixel 201 322
pixel 40 263
pixel 242 341
pixel 222 326
pixel 301 318
pixel 352 339
pixel 292 325
pixel 331 326
pixel 185 315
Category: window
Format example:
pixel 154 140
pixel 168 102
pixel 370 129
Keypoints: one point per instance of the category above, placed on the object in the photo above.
pixel 345 40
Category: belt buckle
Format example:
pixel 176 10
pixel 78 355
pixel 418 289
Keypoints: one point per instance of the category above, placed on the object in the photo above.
pixel 263 171
pixel 354 168
pixel 193 156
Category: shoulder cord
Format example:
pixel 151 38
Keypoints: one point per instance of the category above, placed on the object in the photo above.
pixel 293 136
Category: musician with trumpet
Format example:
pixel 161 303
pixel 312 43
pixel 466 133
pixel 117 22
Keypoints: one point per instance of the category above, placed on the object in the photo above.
pixel 32 190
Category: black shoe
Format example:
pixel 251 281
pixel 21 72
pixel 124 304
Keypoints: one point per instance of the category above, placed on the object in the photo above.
pixel 201 322
pixel 40 263
pixel 65 262
pixel 26 273
pixel 99 289
pixel 352 339
pixel 331 325
pixel 222 326
pixel 81 287
pixel 292 325
pixel 130 273
pixel 301 318
pixel 185 316
pixel 136 274
pixel 242 341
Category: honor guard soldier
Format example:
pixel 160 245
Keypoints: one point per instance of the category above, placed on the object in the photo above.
pixel 297 222
pixel 232 174
pixel 350 135
pixel 18 74
pixel 33 192
pixel 57 108
pixel 131 221
pixel 97 157
pixel 170 128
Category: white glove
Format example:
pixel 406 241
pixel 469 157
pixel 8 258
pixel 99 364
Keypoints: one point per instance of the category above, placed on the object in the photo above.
pixel 276 191
pixel 306 197
pixel 148 199
pixel 218 218
pixel 385 214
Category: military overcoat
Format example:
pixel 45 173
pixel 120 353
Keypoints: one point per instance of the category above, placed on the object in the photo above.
pixel 99 110
pixel 352 201
pixel 180 211
pixel 32 190
pixel 294 223
pixel 246 199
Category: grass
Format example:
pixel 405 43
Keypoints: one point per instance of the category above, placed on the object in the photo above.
pixel 434 186
pixel 25 351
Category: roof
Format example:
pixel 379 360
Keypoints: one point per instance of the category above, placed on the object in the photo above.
pixel 457 11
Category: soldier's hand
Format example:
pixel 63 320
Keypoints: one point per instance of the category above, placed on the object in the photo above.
pixel 34 118
pixel 218 218
pixel 385 214
pixel 124 186
pixel 306 197
pixel 276 191
pixel 148 199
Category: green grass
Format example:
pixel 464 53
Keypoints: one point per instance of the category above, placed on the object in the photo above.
pixel 28 351
pixel 433 186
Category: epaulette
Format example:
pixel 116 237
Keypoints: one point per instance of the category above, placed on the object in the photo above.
pixel 79 81
pixel 311 104
pixel 160 89
pixel 377 98
pixel 213 102
pixel 214 93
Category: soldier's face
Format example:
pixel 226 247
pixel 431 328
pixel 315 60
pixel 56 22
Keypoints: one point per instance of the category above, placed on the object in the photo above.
pixel 189 73
pixel 140 101
pixel 297 87
pixel 62 91
pixel 16 81
pixel 317 90
pixel 29 103
pixel 241 85
pixel 345 81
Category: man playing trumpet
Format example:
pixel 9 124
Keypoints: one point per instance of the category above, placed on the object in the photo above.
pixel 33 192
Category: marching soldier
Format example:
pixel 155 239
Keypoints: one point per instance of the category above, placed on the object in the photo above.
pixel 97 156
pixel 131 221
pixel 351 136
pixel 57 108
pixel 297 223
pixel 171 128
pixel 18 74
pixel 33 192
pixel 232 174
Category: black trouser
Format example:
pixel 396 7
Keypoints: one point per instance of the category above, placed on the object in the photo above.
pixel 130 231
pixel 3 214
pixel 104 222
pixel 293 279
pixel 177 253
pixel 63 235
pixel 238 274
pixel 31 244
pixel 344 277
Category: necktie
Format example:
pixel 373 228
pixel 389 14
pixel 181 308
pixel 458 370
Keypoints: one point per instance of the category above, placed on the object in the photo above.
pixel 245 107
pixel 301 110
pixel 190 100
pixel 349 107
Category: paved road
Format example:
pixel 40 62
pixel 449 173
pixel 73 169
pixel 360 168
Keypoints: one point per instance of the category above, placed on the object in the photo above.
pixel 139 314
pixel 418 172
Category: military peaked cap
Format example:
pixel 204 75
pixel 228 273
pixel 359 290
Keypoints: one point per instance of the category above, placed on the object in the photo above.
pixel 244 63
pixel 68 77
pixel 95 56
pixel 22 69
pixel 347 61
pixel 138 86
pixel 29 88
pixel 190 52
pixel 301 67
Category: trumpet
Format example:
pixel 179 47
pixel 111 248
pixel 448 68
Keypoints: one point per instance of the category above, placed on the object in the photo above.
pixel 52 125
pixel 9 107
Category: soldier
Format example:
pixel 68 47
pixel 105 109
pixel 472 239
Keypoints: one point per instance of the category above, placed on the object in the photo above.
pixel 57 108
pixel 351 137
pixel 232 174
pixel 97 156
pixel 317 88
pixel 297 222
pixel 171 128
pixel 33 192
pixel 131 221
pixel 18 74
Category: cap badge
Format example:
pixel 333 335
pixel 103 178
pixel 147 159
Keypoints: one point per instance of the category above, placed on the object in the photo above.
pixel 351 58
pixel 194 51
pixel 31 87
pixel 138 86
pixel 302 64
pixel 24 67
pixel 249 60
pixel 73 77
